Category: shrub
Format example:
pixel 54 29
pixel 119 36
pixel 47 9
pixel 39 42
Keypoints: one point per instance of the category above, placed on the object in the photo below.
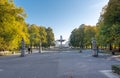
pixel 116 69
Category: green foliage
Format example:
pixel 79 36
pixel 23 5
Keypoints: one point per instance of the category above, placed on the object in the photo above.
pixel 109 24
pixel 112 14
pixel 82 36
pixel 50 36
pixel 43 34
pixel 12 25
pixel 112 20
pixel 74 38
pixel 101 39
pixel 39 34
pixel 116 69
pixel 13 28
pixel 34 34
pixel 90 33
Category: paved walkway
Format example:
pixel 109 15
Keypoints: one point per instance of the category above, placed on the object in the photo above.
pixel 70 64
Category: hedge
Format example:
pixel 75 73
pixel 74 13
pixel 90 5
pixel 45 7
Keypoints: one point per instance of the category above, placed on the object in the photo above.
pixel 116 69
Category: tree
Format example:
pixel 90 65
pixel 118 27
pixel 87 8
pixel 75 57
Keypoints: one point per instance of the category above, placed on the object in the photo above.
pixel 89 34
pixel 111 23
pixel 39 35
pixel 43 34
pixel 82 36
pixel 50 36
pixel 12 25
pixel 74 38
pixel 34 35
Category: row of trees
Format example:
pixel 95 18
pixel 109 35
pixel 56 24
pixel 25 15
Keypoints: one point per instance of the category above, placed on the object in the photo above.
pixel 106 31
pixel 40 34
pixel 82 36
pixel 109 25
pixel 13 28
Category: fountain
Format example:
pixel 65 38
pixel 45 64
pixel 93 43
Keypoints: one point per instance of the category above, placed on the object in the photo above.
pixel 60 40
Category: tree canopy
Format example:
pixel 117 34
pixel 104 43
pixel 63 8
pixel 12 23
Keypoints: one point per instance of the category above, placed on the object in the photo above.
pixel 106 31
pixel 82 36
pixel 109 24
pixel 13 27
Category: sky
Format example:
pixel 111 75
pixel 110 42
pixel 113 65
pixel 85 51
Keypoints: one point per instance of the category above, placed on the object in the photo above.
pixel 62 15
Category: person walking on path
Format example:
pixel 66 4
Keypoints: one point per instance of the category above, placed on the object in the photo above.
pixel 29 50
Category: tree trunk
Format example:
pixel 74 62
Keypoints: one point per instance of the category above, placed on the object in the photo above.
pixel 110 48
pixel 119 46
pixel 31 46
pixel 91 45
pixel 115 46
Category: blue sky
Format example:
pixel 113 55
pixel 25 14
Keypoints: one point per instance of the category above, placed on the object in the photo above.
pixel 62 15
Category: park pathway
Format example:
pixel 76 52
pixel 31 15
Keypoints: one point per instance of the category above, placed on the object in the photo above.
pixel 69 64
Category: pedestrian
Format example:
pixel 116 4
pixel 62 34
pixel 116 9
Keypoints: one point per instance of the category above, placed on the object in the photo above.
pixel 28 50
